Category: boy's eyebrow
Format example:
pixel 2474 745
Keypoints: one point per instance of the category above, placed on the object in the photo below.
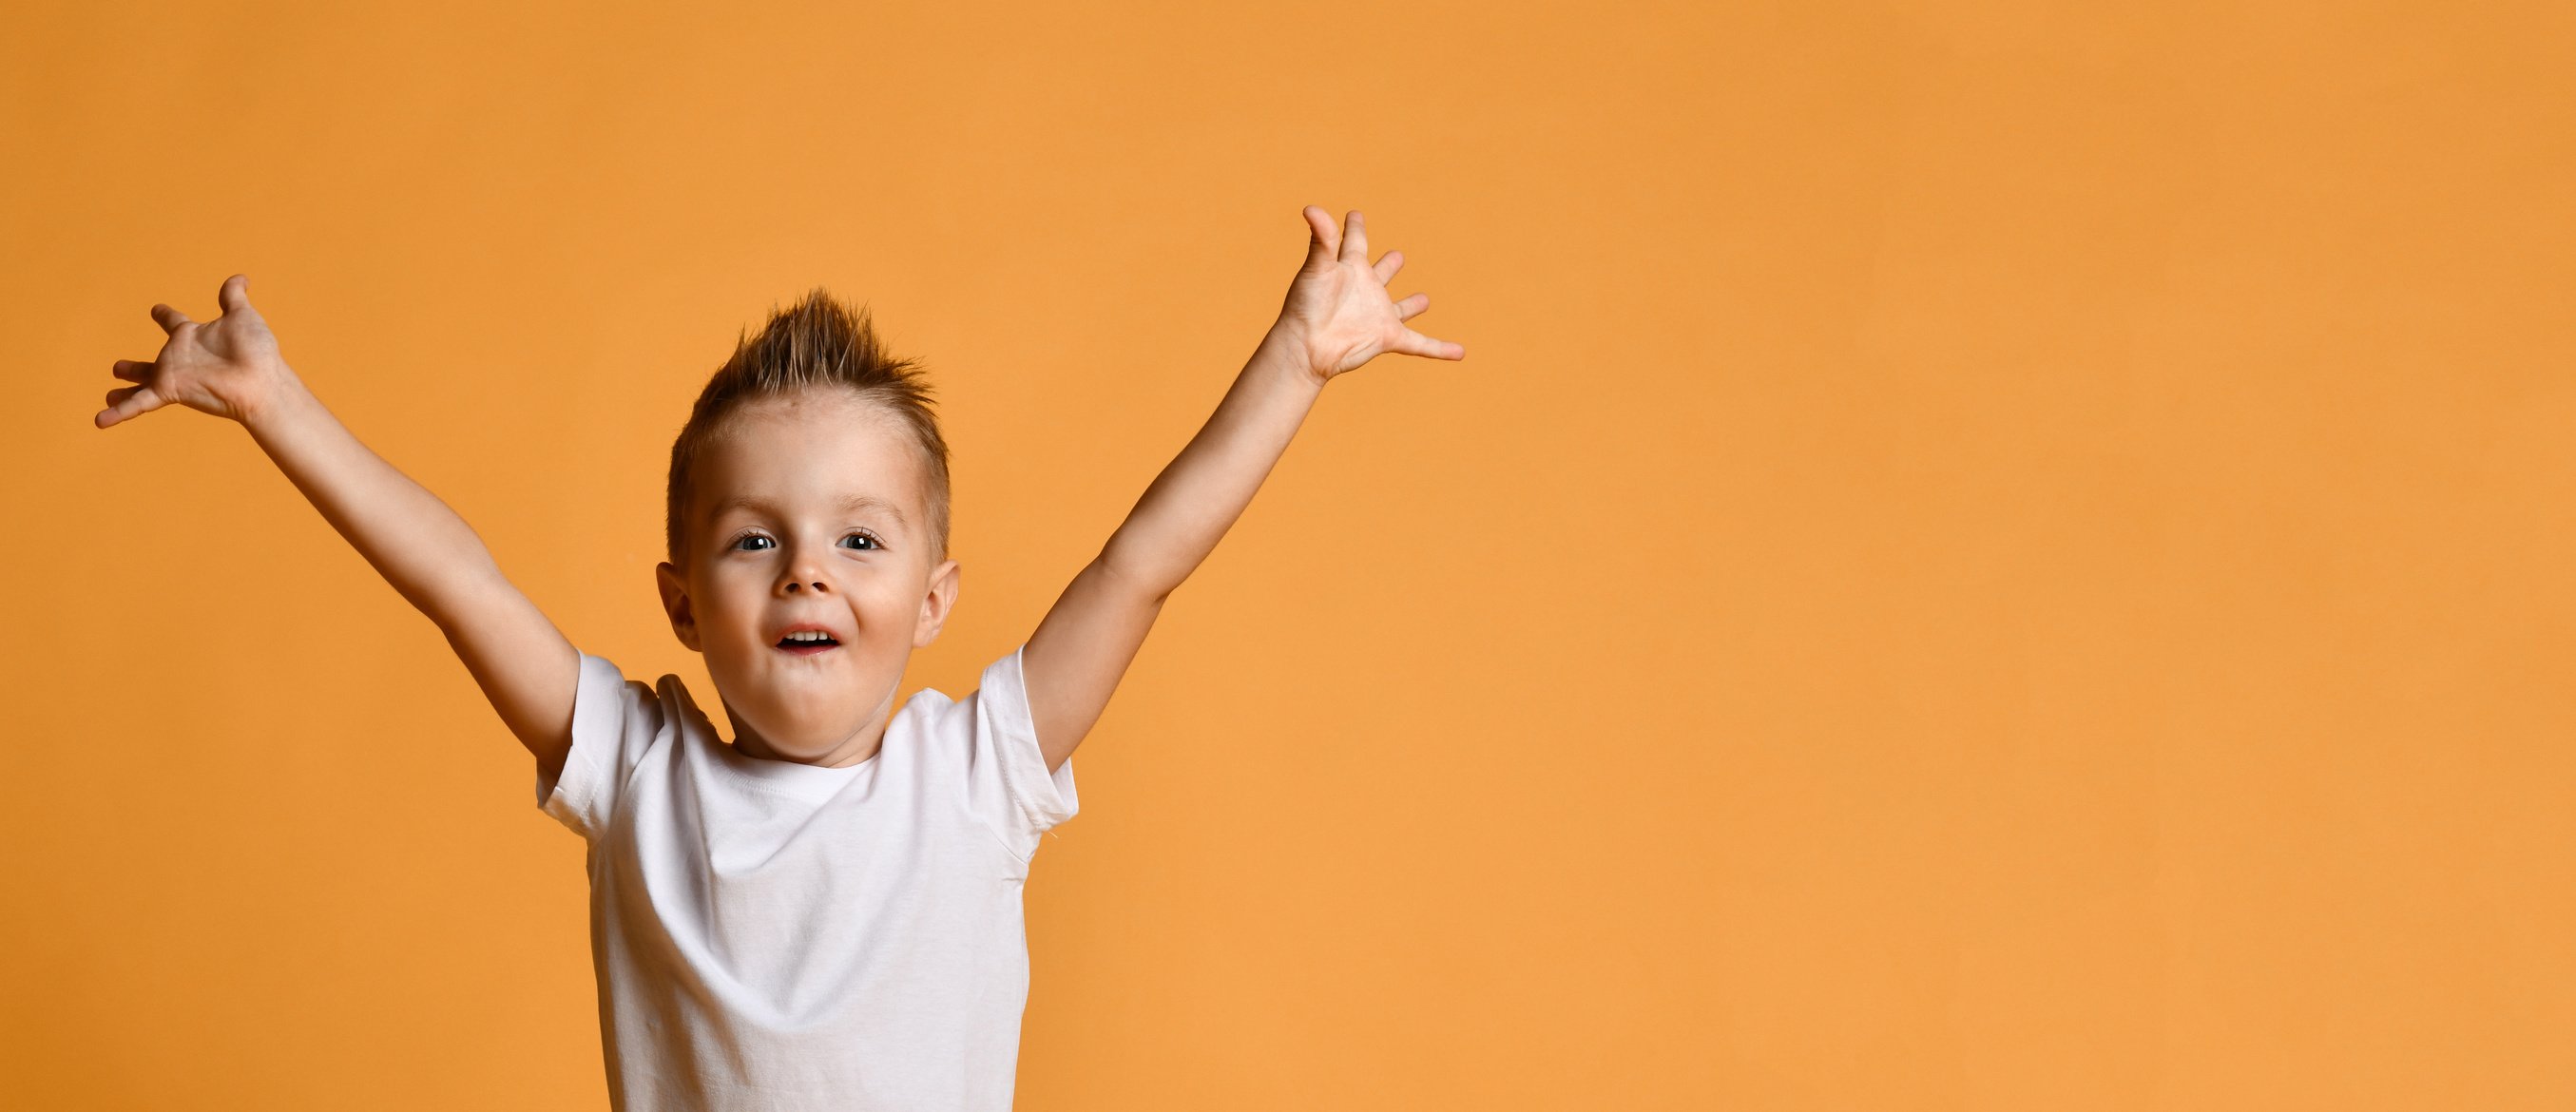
pixel 854 503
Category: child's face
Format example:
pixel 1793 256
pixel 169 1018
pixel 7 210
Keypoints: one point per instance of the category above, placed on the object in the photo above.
pixel 806 511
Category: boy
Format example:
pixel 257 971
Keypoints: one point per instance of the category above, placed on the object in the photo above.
pixel 826 912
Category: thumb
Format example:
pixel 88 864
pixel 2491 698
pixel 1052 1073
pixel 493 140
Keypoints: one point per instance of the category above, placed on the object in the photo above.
pixel 1326 242
pixel 235 296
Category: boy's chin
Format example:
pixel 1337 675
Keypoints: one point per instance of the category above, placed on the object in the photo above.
pixel 803 709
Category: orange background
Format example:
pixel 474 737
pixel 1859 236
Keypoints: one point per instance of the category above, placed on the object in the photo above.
pixel 1997 557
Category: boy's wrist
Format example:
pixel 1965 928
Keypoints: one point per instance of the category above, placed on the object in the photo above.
pixel 1284 354
pixel 266 405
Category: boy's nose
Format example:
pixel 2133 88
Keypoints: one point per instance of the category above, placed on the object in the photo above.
pixel 819 588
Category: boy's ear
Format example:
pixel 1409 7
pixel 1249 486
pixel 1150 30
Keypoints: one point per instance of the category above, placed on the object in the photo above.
pixel 675 601
pixel 935 605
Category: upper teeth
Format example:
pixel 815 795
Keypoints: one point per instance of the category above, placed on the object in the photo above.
pixel 809 635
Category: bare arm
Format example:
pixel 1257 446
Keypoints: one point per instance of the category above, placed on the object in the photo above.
pixel 1337 318
pixel 230 367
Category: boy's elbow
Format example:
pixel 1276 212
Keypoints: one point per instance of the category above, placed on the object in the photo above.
pixel 1144 583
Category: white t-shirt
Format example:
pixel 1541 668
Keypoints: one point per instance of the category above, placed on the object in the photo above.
pixel 776 935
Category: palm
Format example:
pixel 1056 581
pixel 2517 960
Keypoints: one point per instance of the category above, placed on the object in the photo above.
pixel 1338 305
pixel 214 367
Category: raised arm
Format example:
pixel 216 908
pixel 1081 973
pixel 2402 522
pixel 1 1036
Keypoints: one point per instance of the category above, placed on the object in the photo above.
pixel 230 367
pixel 1337 317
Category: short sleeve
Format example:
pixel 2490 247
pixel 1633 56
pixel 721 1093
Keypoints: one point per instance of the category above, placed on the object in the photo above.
pixel 1013 791
pixel 614 722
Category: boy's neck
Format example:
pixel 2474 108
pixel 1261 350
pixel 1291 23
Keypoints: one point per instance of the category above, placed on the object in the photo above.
pixel 856 748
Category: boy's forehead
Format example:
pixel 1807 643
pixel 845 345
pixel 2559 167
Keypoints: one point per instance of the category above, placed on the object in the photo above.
pixel 813 451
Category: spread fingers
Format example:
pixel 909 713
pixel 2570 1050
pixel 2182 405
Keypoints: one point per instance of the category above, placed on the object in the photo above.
pixel 1415 343
pixel 1387 265
pixel 125 403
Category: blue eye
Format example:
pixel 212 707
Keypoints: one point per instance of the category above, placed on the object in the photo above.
pixel 870 546
pixel 738 544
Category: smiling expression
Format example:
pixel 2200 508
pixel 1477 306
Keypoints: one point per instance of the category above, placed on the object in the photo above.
pixel 810 576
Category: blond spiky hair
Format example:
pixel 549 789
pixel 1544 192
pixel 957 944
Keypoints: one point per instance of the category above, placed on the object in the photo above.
pixel 817 343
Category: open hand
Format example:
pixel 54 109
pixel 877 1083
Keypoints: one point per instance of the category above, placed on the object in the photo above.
pixel 1338 313
pixel 226 367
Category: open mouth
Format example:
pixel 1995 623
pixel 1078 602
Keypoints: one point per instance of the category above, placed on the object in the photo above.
pixel 807 642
